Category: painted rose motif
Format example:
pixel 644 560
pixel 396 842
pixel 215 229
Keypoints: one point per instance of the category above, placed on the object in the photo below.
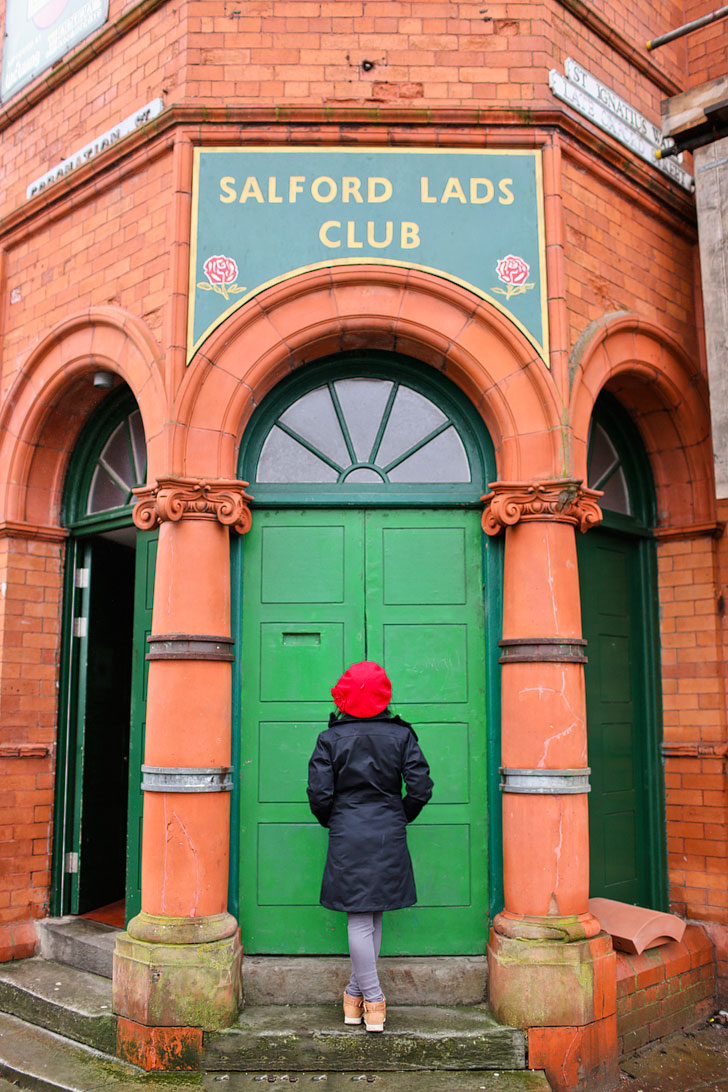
pixel 513 272
pixel 222 275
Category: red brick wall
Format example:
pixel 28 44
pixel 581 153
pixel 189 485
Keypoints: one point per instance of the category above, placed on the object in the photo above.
pixel 706 48
pixel 664 989
pixel 30 573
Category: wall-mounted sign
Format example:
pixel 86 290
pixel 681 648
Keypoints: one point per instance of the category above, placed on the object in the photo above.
pixel 262 215
pixel 594 100
pixel 38 32
pixel 95 147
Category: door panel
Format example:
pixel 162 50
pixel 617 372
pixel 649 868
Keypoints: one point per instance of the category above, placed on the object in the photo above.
pixel 323 590
pixel 612 623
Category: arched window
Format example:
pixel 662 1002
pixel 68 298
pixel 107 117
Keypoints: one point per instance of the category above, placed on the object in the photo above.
pixel 364 427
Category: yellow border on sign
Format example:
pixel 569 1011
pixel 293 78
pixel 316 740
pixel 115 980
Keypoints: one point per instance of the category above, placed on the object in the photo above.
pixel 542 348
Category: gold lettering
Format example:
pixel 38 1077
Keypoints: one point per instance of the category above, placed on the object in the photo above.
pixel 409 235
pixel 425 197
pixel 251 189
pixel 324 233
pixel 351 187
pixel 295 186
pixel 273 198
pixel 480 199
pixel 375 198
pixel 226 187
pixel 504 186
pixel 351 241
pixel 316 185
pixel 388 232
pixel 453 189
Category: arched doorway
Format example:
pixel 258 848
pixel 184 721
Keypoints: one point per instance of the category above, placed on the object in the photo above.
pixel 617 571
pixel 367 472
pixel 106 615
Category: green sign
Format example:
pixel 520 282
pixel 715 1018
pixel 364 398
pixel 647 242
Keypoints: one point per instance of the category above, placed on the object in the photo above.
pixel 263 215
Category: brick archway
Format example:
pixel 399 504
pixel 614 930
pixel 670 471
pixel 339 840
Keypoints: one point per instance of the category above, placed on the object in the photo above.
pixel 53 396
pixel 378 307
pixel 667 398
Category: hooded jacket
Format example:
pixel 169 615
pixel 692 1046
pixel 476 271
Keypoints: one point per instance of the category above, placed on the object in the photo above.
pixel 355 789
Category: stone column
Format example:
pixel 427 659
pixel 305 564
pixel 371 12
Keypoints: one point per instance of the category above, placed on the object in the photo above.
pixel 549 965
pixel 177 968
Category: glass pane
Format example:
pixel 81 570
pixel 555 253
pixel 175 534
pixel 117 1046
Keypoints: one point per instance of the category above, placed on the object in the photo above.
pixel 139 447
pixel 104 493
pixel 314 418
pixel 441 460
pixel 363 402
pixel 616 497
pixel 116 455
pixel 284 460
pixel 412 418
pixel 602 456
pixel 363 474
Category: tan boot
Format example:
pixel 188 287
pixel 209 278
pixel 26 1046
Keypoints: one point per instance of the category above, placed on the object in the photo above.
pixel 353 1008
pixel 375 1013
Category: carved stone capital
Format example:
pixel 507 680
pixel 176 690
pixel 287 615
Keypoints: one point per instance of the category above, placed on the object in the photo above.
pixel 564 500
pixel 175 498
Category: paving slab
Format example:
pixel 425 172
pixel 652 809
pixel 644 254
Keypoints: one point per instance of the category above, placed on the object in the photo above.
pixel 72 1003
pixel 307 1037
pixel 687 1061
pixel 78 942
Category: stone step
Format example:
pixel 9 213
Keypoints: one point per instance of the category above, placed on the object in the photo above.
pixel 309 1037
pixel 511 1080
pixel 78 942
pixel 62 999
pixel 406 980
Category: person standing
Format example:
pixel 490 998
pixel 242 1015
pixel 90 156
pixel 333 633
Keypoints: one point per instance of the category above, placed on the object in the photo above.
pixel 355 777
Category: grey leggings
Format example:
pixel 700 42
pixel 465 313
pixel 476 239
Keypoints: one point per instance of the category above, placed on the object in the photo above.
pixel 365 940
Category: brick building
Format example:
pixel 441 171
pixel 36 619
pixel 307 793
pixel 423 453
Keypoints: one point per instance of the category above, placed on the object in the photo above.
pixel 409 277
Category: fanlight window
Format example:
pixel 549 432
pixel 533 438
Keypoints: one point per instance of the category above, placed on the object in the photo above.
pixel 363 431
pixel 121 465
pixel 606 472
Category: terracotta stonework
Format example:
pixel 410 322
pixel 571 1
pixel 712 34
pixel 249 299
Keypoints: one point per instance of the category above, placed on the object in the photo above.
pixel 565 500
pixel 174 499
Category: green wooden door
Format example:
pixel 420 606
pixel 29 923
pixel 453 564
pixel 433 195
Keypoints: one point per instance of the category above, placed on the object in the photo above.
pixel 323 589
pixel 609 570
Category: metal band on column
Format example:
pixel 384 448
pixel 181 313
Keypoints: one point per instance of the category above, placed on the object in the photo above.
pixel 545 782
pixel 187 779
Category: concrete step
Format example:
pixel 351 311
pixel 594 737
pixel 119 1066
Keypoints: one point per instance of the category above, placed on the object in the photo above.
pixel 63 999
pixel 78 942
pixel 406 980
pixel 308 1037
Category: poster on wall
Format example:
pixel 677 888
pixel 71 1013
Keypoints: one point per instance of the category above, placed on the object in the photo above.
pixel 265 215
pixel 38 32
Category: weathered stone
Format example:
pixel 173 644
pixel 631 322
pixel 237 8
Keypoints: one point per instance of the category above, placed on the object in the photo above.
pixel 315 1037
pixel 68 1001
pixel 301 980
pixel 512 1080
pixel 78 942
pixel 177 985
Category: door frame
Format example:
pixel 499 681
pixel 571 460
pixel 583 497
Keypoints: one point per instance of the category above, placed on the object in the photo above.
pixel 434 385
pixel 639 529
pixel 82 527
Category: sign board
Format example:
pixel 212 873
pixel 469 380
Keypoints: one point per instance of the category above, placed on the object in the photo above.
pixel 594 100
pixel 264 215
pixel 95 147
pixel 38 32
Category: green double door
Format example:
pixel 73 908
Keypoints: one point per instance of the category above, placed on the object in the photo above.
pixel 323 589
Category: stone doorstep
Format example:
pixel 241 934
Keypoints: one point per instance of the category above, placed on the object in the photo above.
pixel 78 942
pixel 62 999
pixel 406 980
pixel 306 1038
pixel 519 1080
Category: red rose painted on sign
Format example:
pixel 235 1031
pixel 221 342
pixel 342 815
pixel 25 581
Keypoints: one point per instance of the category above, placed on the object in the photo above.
pixel 222 275
pixel 513 271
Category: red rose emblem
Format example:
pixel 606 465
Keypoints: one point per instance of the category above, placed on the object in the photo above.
pixel 221 270
pixel 512 270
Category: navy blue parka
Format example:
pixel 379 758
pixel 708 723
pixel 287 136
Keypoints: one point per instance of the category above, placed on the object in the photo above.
pixel 355 789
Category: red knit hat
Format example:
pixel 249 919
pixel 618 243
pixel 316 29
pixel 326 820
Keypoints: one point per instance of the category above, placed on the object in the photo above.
pixel 363 690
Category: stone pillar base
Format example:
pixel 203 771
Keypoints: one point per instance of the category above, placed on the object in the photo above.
pixel 564 993
pixel 187 984
pixel 169 1049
